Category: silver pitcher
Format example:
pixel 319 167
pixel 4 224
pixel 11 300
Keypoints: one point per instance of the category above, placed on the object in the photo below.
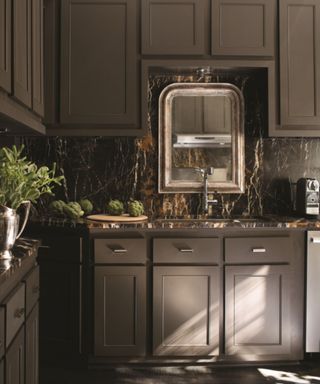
pixel 9 227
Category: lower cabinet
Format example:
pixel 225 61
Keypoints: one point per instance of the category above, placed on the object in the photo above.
pixel 257 310
pixel 185 311
pixel 15 363
pixel 120 311
pixel 32 347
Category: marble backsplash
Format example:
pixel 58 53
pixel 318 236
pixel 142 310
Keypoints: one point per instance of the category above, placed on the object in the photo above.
pixel 101 168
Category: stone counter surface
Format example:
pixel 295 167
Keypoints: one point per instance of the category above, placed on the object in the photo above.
pixel 187 222
pixel 25 252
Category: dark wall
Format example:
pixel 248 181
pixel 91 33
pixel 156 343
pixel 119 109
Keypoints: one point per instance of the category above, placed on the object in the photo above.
pixel 103 168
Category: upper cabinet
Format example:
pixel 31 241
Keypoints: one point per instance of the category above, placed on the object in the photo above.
pixel 22 89
pixel 5 44
pixel 99 72
pixel 243 27
pixel 173 27
pixel 299 63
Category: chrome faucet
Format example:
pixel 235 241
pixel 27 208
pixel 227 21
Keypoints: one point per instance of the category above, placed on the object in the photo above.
pixel 205 172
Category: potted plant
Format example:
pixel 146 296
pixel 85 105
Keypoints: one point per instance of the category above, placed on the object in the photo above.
pixel 22 182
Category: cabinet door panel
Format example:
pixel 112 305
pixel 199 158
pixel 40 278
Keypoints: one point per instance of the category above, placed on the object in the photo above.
pixel 299 62
pixel 120 311
pixel 15 361
pixel 32 347
pixel 22 51
pixel 257 314
pixel 98 62
pixel 37 57
pixel 185 311
pixel 5 44
pixel 173 27
pixel 243 27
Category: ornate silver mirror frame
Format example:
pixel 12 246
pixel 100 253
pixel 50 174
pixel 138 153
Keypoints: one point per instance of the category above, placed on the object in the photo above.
pixel 167 183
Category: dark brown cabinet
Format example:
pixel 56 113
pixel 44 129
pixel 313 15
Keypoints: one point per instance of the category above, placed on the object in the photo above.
pixel 15 360
pixel 299 63
pixel 99 63
pixel 186 311
pixel 37 57
pixel 5 44
pixel 243 27
pixel 22 55
pixel 120 311
pixel 61 299
pixel 32 347
pixel 257 317
pixel 173 27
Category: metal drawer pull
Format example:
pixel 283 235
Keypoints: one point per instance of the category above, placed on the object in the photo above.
pixel 315 240
pixel 120 250
pixel 259 250
pixel 1 344
pixel 44 246
pixel 19 312
pixel 186 250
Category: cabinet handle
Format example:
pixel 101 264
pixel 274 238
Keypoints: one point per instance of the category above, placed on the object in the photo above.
pixel 186 250
pixel 19 313
pixel 44 246
pixel 1 343
pixel 315 240
pixel 120 250
pixel 35 289
pixel 259 250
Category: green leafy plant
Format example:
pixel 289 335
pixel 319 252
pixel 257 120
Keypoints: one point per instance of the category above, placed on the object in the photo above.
pixel 22 180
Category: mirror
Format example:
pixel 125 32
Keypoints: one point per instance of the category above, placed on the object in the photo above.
pixel 201 125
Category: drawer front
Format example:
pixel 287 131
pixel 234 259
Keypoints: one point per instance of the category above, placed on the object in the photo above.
pixel 15 313
pixel 1 333
pixel 120 251
pixel 190 250
pixel 258 249
pixel 32 289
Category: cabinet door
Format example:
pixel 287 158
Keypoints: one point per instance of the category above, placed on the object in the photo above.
pixel 243 27
pixel 173 27
pixel 299 63
pixel 15 361
pixel 5 44
pixel 32 347
pixel 257 310
pixel 185 311
pixel 22 51
pixel 98 62
pixel 120 311
pixel 37 57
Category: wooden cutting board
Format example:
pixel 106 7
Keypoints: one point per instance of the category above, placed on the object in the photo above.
pixel 117 219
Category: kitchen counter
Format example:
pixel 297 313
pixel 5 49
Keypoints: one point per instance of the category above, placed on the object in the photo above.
pixel 25 252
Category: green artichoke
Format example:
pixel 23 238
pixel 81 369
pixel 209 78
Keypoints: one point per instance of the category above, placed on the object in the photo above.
pixel 56 207
pixel 135 208
pixel 73 210
pixel 86 206
pixel 115 207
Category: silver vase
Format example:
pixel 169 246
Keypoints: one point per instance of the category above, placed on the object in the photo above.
pixel 9 227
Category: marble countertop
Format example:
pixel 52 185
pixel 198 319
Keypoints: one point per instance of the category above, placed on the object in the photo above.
pixel 268 221
pixel 23 250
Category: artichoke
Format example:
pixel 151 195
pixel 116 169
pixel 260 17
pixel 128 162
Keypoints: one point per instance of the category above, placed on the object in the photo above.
pixel 86 206
pixel 115 207
pixel 73 210
pixel 56 207
pixel 135 208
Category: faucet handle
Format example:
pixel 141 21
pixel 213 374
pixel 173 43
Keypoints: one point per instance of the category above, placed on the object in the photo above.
pixel 210 171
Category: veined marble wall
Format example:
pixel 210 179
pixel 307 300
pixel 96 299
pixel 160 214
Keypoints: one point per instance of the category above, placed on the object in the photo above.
pixel 103 168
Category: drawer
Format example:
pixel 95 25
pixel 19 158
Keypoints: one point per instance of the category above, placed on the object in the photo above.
pixel 32 289
pixel 186 250
pixel 1 333
pixel 258 249
pixel 120 251
pixel 15 312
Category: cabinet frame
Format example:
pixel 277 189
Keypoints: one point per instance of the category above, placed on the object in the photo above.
pixel 5 70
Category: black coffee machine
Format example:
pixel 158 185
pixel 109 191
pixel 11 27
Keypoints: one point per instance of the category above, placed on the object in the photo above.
pixel 307 197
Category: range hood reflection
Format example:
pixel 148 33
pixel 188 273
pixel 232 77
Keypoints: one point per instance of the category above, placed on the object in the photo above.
pixel 202 140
